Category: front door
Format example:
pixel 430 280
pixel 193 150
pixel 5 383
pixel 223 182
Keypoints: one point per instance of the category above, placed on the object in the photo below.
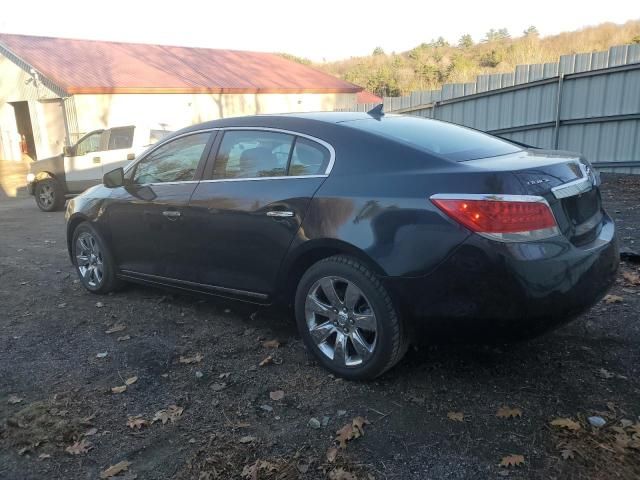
pixel 151 226
pixel 83 168
pixel 252 205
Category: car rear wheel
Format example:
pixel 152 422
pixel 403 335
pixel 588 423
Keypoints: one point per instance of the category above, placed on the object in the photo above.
pixel 93 261
pixel 348 320
pixel 49 195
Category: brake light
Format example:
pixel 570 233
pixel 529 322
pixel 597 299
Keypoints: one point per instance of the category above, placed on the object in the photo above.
pixel 501 217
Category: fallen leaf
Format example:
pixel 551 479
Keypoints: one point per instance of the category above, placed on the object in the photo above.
pixel 247 439
pixel 506 412
pixel 99 304
pixel 137 423
pixel 123 338
pixel 341 474
pixel 101 354
pixel 604 373
pixel 565 423
pixel 271 344
pixel 456 416
pixel 266 361
pixel 632 278
pixel 90 432
pixel 173 412
pixel 116 327
pixel 80 447
pixel 224 375
pixel 131 380
pixel 119 389
pixel 351 431
pixel 276 395
pixel 197 358
pixel 567 453
pixel 332 453
pixel 251 472
pixel 512 461
pixel 114 470
pixel 613 299
pixel 44 456
pixel 13 399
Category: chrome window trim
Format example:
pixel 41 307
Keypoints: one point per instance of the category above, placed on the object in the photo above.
pixel 327 145
pixel 512 237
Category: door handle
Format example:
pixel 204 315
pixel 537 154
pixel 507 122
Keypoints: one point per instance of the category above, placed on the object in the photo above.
pixel 171 214
pixel 280 213
pixel 96 159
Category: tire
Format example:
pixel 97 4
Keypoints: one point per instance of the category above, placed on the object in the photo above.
pixel 366 321
pixel 49 195
pixel 93 261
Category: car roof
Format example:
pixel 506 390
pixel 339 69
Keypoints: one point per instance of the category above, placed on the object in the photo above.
pixel 274 119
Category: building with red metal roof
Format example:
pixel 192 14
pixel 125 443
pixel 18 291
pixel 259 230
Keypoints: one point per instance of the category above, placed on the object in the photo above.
pixel 53 90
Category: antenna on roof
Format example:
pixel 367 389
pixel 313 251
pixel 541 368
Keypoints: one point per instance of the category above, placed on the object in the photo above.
pixel 377 111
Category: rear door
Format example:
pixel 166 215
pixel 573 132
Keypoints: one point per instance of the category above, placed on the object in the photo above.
pixel 83 168
pixel 258 187
pixel 151 225
pixel 119 148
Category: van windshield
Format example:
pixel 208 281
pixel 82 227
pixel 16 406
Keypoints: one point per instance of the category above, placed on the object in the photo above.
pixel 446 140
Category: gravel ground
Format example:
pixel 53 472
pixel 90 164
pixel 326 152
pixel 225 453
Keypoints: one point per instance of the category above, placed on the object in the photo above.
pixel 198 368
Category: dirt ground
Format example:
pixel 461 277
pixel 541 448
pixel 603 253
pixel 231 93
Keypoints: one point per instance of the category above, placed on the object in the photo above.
pixel 199 375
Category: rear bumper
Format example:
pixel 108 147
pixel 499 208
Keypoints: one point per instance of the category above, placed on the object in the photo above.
pixel 510 290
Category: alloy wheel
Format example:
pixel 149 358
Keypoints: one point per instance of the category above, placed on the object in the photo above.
pixel 46 195
pixel 89 260
pixel 341 321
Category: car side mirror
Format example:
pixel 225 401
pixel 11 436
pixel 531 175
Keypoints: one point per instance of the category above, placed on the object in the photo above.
pixel 131 156
pixel 68 151
pixel 114 178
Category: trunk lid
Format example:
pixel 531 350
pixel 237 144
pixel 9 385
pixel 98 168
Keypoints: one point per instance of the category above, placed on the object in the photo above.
pixel 566 180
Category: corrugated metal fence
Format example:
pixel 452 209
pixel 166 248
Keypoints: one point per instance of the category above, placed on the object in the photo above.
pixel 586 102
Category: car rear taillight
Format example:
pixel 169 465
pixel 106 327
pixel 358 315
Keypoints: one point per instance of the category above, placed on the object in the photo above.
pixel 507 218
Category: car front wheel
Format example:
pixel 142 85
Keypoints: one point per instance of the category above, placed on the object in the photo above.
pixel 348 320
pixel 93 261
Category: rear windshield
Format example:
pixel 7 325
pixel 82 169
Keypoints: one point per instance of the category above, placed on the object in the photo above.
pixel 445 140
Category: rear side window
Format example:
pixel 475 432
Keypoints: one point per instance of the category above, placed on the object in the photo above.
pixel 308 158
pixel 252 154
pixel 175 161
pixel 445 140
pixel 120 138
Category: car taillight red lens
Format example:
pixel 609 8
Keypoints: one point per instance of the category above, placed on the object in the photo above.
pixel 502 218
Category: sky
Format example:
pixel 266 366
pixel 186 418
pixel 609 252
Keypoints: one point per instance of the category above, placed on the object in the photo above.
pixel 327 30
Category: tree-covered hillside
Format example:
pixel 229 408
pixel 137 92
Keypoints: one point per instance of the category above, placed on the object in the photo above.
pixel 429 65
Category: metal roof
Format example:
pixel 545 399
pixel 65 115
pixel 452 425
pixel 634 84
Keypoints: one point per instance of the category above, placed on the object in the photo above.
pixel 93 67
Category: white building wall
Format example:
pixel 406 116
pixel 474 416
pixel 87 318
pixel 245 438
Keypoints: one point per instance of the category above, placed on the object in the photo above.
pixel 18 85
pixel 176 111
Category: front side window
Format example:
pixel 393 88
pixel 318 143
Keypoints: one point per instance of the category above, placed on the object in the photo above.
pixel 252 154
pixel 120 138
pixel 176 161
pixel 89 144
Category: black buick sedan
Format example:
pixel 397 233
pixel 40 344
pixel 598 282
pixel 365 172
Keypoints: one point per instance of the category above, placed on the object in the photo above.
pixel 374 227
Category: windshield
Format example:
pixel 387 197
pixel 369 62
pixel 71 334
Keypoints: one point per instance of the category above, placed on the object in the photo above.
pixel 445 140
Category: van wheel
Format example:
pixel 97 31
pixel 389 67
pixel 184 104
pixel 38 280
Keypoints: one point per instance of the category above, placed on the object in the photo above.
pixel 49 195
pixel 348 320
